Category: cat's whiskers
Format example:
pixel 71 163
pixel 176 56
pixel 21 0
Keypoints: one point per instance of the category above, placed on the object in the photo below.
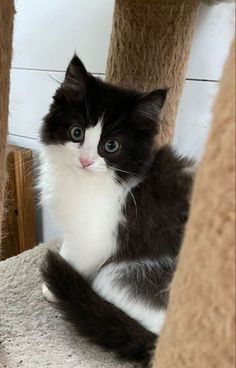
pixel 109 183
pixel 146 163
pixel 123 171
pixel 122 182
pixel 55 79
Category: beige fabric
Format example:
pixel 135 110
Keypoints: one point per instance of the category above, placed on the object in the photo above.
pixel 149 49
pixel 32 332
pixel 6 28
pixel 200 327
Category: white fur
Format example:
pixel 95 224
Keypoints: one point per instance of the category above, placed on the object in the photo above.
pixel 106 284
pixel 86 203
pixel 190 170
pixel 48 294
pixel 88 150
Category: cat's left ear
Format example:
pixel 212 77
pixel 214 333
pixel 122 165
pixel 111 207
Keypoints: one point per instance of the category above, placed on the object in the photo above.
pixel 148 108
pixel 150 104
pixel 157 97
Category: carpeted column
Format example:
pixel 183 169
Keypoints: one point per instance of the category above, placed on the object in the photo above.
pixel 149 49
pixel 200 327
pixel 6 29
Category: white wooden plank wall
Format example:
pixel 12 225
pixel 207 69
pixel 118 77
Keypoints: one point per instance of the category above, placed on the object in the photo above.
pixel 48 32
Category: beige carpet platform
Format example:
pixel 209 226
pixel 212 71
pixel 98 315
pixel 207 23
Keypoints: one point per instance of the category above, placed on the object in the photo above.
pixel 32 332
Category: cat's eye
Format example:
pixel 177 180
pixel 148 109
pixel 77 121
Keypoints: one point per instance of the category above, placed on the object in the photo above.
pixel 76 134
pixel 111 146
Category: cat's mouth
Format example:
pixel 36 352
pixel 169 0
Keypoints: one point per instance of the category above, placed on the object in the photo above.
pixel 93 168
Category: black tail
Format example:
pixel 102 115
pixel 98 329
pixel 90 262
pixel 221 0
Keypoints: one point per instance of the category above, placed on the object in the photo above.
pixel 94 317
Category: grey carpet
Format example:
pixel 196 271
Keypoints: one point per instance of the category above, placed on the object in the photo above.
pixel 32 332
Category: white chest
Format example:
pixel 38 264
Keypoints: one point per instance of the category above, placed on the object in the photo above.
pixel 88 209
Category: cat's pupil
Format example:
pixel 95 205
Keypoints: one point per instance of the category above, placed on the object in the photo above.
pixel 111 146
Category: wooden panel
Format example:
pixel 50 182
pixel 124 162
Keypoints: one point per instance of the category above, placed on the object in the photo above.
pixel 19 224
pixel 10 246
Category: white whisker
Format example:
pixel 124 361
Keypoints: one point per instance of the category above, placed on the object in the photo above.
pixel 123 171
pixel 128 191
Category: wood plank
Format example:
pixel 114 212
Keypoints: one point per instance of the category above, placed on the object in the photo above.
pixel 19 224
pixel 10 237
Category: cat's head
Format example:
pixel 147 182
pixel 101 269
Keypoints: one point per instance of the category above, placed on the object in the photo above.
pixel 101 127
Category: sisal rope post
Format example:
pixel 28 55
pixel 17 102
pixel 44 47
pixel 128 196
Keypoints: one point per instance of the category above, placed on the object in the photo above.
pixel 149 49
pixel 200 326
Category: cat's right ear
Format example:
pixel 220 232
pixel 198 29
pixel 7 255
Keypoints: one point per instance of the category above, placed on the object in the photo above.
pixel 76 72
pixel 76 78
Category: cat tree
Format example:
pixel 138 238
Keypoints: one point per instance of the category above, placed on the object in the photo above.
pixel 6 29
pixel 149 48
pixel 200 327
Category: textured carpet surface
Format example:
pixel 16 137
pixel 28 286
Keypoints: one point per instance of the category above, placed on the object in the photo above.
pixel 149 49
pixel 32 332
pixel 200 326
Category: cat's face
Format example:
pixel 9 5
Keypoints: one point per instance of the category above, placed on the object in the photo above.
pixel 100 127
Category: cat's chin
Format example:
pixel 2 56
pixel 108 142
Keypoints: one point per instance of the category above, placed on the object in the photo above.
pixel 92 170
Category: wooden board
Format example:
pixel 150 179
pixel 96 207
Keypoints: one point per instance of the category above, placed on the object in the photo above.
pixel 19 225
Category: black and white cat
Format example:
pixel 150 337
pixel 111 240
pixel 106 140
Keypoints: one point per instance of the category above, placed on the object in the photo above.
pixel 121 206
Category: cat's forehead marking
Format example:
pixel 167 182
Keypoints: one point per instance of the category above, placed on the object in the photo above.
pixel 93 134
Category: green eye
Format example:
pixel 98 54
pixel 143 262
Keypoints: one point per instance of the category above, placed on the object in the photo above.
pixel 76 134
pixel 111 146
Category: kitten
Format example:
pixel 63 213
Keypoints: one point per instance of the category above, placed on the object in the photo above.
pixel 121 206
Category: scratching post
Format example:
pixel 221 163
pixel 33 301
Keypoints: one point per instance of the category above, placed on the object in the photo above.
pixel 200 326
pixel 6 29
pixel 149 49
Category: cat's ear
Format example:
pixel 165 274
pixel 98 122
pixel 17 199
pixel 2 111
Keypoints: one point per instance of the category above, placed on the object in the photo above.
pixel 149 105
pixel 157 97
pixel 76 80
pixel 76 72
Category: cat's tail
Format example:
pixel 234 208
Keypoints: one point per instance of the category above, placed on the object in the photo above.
pixel 94 317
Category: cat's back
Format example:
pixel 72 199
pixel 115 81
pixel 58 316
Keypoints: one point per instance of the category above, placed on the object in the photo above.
pixel 156 217
pixel 170 178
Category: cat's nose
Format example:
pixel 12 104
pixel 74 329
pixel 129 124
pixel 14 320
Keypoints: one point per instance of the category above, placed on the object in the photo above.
pixel 85 162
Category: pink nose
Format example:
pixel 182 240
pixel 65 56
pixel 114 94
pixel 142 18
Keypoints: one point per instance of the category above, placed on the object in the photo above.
pixel 85 162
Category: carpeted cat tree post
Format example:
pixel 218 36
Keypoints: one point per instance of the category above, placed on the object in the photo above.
pixel 200 327
pixel 149 49
pixel 6 29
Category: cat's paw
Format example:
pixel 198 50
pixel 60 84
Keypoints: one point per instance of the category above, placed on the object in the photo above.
pixel 48 294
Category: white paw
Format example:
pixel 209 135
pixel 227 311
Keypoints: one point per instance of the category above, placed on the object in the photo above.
pixel 48 294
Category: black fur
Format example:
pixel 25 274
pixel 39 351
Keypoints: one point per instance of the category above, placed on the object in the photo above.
pixel 92 316
pixel 128 116
pixel 155 213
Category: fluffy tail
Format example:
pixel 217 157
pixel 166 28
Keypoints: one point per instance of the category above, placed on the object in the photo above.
pixel 94 317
